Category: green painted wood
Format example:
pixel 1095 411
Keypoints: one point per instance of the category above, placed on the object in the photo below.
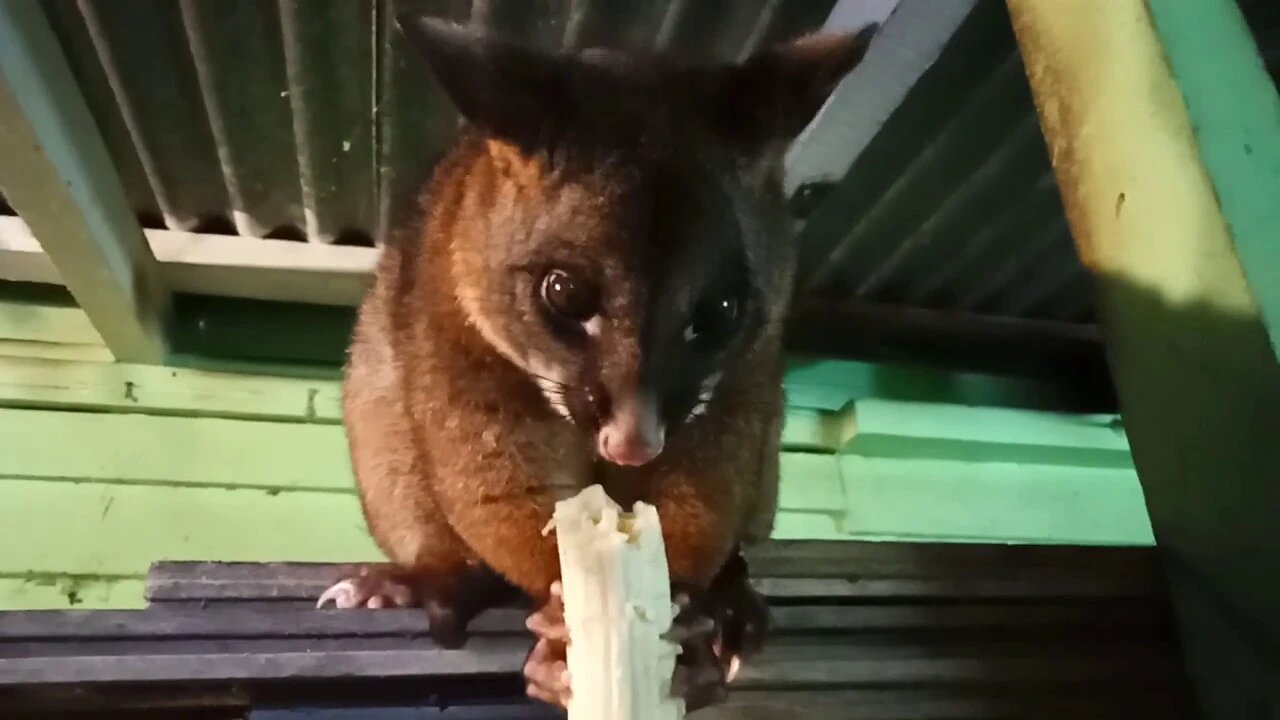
pixel 58 176
pixel 65 592
pixel 152 389
pixel 44 322
pixel 26 349
pixel 890 428
pixel 807 429
pixel 992 502
pixel 830 384
pixel 811 483
pixel 1235 114
pixel 121 387
pixel 797 525
pixel 172 451
pixel 121 529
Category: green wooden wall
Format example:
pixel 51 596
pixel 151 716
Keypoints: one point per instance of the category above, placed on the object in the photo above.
pixel 105 468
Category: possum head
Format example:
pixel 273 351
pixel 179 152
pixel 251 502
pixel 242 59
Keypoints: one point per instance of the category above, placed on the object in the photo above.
pixel 625 242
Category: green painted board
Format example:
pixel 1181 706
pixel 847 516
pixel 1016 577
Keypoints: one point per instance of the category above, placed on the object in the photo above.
pixel 941 500
pixel 122 529
pixel 64 592
pixel 811 483
pixel 1235 114
pixel 155 450
pixel 43 322
pixel 33 382
pixel 890 428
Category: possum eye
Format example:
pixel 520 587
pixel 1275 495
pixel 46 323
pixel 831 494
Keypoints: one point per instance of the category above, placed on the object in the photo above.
pixel 712 322
pixel 568 297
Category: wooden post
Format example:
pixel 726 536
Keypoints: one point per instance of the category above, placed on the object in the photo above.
pixel 617 605
pixel 57 174
pixel 1199 386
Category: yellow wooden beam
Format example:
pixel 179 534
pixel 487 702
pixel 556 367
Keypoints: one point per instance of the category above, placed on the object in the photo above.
pixel 1197 378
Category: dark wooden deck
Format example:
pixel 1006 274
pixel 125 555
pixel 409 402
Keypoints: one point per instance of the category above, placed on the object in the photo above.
pixel 865 630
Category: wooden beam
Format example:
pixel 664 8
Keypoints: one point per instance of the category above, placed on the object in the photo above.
pixel 907 44
pixel 955 340
pixel 1194 367
pixel 1236 120
pixel 58 176
pixel 225 265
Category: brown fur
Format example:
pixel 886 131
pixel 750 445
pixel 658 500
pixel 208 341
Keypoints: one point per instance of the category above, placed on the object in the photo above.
pixel 458 455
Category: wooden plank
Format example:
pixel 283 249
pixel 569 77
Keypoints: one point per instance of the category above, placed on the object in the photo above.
pixel 182 451
pixel 46 323
pixel 774 704
pixel 1067 353
pixel 889 428
pixel 907 44
pixel 34 382
pixel 950 704
pixel 993 502
pixel 234 620
pixel 1125 567
pixel 483 656
pixel 836 666
pixel 811 482
pixel 52 592
pixel 1234 112
pixel 125 387
pixel 27 350
pixel 1194 365
pixel 58 176
pixel 21 257
pixel 227 265
pixel 134 525
pixel 854 568
pixel 827 383
pixel 222 452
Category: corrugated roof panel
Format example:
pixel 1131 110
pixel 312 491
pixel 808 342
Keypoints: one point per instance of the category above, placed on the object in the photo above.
pixel 953 204
pixel 329 63
pixel 68 26
pixel 312 119
pixel 415 119
pixel 155 87
pixel 238 59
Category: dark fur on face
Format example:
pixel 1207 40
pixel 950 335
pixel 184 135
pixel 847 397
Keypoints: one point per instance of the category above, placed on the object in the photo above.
pixel 628 242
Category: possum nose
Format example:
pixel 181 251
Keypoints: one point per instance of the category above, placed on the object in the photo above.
pixel 634 434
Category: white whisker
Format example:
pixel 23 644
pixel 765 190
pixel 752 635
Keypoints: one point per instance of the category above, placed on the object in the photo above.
pixel 698 410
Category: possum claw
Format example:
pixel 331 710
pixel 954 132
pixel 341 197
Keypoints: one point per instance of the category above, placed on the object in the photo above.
pixel 366 590
pixel 545 671
pixel 342 595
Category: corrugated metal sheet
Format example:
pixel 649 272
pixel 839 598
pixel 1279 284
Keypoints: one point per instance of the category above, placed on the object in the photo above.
pixel 310 119
pixel 953 205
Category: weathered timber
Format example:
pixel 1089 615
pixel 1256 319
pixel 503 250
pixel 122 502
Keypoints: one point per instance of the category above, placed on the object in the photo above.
pixel 868 630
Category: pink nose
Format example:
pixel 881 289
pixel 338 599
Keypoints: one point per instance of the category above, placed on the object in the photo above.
pixel 628 448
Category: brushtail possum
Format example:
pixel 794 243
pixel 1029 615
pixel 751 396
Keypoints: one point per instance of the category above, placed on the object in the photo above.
pixel 593 291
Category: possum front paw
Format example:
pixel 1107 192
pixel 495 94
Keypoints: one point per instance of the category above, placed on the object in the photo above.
pixel 452 599
pixel 716 629
pixel 546 670
pixel 703 669
pixel 369 587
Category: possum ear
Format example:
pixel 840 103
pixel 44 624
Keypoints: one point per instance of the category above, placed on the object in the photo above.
pixel 502 88
pixel 775 93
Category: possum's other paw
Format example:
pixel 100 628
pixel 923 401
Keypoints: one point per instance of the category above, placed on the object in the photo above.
pixel 546 672
pixel 742 615
pixel 368 588
pixel 701 675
